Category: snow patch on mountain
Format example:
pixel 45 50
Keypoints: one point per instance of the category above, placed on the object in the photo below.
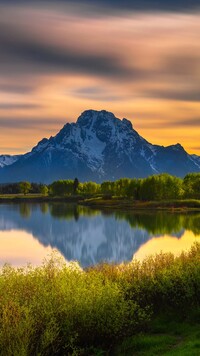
pixel 195 159
pixel 7 160
pixel 97 147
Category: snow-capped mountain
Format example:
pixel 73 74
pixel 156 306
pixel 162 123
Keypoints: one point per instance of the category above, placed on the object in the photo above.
pixel 98 147
pixel 7 160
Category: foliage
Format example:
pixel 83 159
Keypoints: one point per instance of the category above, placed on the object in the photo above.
pixel 88 188
pixel 191 185
pixel 75 185
pixel 44 190
pixel 153 188
pixel 25 187
pixel 157 187
pixel 62 187
pixel 166 337
pixel 58 308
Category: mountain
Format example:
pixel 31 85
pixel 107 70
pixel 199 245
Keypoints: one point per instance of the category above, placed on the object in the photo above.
pixel 7 160
pixel 98 147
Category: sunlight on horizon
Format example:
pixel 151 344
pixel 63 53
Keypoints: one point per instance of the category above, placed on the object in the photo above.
pixel 19 248
pixel 167 244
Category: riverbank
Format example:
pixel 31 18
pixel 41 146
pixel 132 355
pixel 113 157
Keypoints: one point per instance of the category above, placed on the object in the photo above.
pixel 128 204
pixel 114 203
pixel 144 308
pixel 38 198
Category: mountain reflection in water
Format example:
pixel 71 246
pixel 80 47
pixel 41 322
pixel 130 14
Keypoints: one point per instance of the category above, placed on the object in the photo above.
pixel 90 236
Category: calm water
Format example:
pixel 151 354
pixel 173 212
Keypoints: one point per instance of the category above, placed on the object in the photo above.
pixel 28 233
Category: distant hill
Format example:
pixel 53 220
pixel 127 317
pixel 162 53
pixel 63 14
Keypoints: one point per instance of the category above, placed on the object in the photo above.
pixel 97 147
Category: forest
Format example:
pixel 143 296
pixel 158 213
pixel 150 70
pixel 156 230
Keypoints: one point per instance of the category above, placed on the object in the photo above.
pixel 153 188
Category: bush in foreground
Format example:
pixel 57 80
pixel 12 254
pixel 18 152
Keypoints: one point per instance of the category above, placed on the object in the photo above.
pixel 60 309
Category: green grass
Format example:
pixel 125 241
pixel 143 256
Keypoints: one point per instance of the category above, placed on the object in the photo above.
pixel 170 338
pixel 148 308
pixel 128 204
pixel 108 203
pixel 36 198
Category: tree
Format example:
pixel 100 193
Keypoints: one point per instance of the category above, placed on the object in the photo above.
pixel 44 190
pixel 75 185
pixel 90 188
pixel 133 187
pixel 25 187
pixel 121 186
pixel 62 187
pixel 108 187
pixel 191 185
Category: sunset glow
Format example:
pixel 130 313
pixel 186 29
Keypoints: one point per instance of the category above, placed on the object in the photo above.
pixel 19 248
pixel 61 59
pixel 167 244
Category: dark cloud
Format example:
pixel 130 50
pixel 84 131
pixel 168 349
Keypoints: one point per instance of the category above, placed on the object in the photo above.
pixel 194 122
pixel 183 64
pixel 17 88
pixel 143 5
pixel 22 123
pixel 189 94
pixel 94 93
pixel 20 50
pixel 190 122
pixel 19 106
pixel 119 5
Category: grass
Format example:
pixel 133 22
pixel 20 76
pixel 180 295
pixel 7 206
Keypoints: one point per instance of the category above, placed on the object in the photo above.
pixel 170 339
pixel 36 198
pixel 130 204
pixel 107 202
pixel 147 308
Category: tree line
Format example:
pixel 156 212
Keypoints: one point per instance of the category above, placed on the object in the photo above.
pixel 155 187
pixel 24 188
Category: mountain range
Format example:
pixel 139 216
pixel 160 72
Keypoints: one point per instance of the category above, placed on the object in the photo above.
pixel 97 147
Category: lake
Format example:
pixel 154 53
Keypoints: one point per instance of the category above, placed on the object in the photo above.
pixel 29 232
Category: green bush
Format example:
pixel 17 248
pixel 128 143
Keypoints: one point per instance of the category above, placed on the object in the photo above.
pixel 58 308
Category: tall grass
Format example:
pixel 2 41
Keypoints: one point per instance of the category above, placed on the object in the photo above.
pixel 59 309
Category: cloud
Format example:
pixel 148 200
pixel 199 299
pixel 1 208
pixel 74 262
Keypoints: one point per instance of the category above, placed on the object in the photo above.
pixel 10 150
pixel 195 147
pixel 13 88
pixel 194 122
pixel 63 57
pixel 94 93
pixel 30 123
pixel 19 106
pixel 190 94
pixel 24 52
pixel 111 6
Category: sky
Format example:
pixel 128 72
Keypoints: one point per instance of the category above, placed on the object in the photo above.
pixel 138 59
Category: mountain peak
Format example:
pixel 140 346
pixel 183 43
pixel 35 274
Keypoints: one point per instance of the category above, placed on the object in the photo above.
pixel 128 123
pixel 177 147
pixel 88 117
pixel 98 147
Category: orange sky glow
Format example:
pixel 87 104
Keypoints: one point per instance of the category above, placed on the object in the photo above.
pixel 57 62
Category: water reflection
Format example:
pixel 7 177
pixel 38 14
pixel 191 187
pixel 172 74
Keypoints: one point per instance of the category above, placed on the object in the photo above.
pixel 166 244
pixel 18 248
pixel 91 236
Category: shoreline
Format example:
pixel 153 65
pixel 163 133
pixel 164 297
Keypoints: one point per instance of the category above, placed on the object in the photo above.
pixel 130 205
pixel 101 203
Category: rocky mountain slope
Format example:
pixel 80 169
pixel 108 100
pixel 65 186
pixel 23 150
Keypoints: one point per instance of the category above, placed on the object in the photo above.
pixel 98 147
pixel 7 160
